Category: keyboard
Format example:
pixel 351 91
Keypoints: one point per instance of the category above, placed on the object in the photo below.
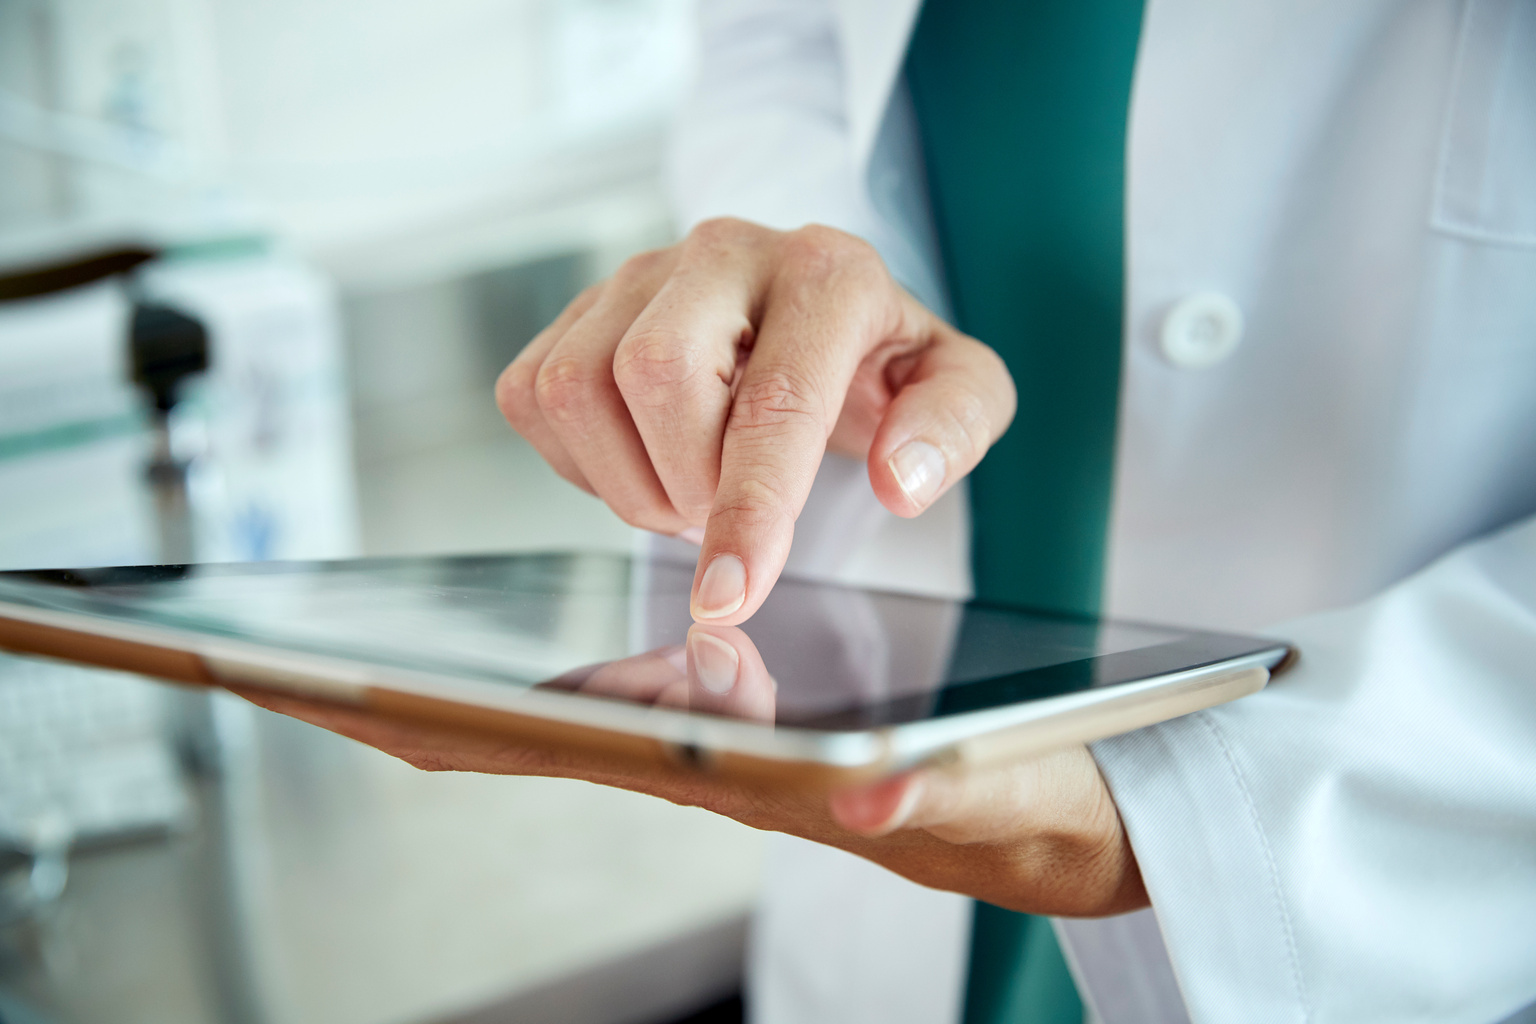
pixel 85 752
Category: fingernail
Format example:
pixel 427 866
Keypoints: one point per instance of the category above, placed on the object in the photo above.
pixel 723 588
pixel 919 469
pixel 714 662
pixel 693 535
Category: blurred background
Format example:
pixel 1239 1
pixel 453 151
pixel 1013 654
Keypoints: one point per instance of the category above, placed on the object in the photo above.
pixel 259 266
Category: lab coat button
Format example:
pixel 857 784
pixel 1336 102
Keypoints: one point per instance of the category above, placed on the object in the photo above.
pixel 1201 330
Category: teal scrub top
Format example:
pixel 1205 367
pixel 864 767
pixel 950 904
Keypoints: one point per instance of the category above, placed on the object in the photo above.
pixel 1022 106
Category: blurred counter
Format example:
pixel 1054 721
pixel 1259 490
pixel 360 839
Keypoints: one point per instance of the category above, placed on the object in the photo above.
pixel 321 881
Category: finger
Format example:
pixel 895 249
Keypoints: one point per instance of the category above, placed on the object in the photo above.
pixel 432 747
pixel 726 675
pixel 971 805
pixel 676 365
pixel 573 680
pixel 639 678
pixel 515 390
pixel 825 309
pixel 877 808
pixel 578 677
pixel 581 402
pixel 426 747
pixel 960 806
pixel 954 400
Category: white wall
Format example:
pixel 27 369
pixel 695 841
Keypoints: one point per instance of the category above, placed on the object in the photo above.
pixel 334 121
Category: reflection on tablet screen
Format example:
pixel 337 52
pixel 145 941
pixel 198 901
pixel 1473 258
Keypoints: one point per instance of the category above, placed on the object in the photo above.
pixel 613 627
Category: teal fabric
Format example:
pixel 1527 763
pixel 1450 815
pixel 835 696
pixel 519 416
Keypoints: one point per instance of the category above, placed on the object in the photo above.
pixel 1017 973
pixel 1022 106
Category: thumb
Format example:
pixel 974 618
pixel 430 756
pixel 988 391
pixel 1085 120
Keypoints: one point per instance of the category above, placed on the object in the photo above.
pixel 956 400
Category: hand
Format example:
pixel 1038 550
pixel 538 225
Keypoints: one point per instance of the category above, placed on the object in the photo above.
pixel 1041 836
pixel 696 390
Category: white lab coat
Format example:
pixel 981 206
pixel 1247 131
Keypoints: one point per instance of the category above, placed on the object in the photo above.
pixel 1358 842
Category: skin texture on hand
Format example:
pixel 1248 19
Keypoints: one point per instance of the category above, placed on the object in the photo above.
pixel 697 389
pixel 1040 835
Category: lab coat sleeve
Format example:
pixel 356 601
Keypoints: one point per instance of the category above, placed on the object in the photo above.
pixel 1358 841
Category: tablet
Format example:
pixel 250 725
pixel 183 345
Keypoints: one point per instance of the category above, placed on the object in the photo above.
pixel 824 683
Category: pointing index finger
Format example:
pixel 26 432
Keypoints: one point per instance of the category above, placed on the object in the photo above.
pixel 828 305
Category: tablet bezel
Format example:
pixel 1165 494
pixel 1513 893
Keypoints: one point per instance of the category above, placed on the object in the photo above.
pixel 1129 689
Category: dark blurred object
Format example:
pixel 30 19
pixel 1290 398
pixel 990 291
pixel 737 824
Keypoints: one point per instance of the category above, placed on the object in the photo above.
pixel 62 275
pixel 727 1011
pixel 692 978
pixel 165 346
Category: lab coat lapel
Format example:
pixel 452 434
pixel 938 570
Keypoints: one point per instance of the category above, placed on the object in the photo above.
pixel 874 36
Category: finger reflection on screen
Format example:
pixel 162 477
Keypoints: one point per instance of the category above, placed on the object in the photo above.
pixel 717 671
pixel 726 675
pixel 641 678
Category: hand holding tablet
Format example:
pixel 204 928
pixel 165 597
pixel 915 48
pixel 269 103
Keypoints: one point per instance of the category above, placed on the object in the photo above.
pixel 943 740
pixel 1040 835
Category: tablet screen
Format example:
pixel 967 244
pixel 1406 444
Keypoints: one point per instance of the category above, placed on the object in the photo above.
pixel 831 657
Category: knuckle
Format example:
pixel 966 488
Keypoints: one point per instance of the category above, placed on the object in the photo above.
pixel 654 359
pixel 998 378
pixel 724 231
pixel 757 501
pixel 514 391
pixel 966 419
pixel 426 760
pixel 643 266
pixel 969 410
pixel 817 262
pixel 694 510
pixel 777 400
pixel 563 387
pixel 811 253
pixel 693 496
pixel 817 248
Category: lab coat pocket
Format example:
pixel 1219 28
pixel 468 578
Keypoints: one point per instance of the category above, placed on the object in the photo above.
pixel 1485 189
